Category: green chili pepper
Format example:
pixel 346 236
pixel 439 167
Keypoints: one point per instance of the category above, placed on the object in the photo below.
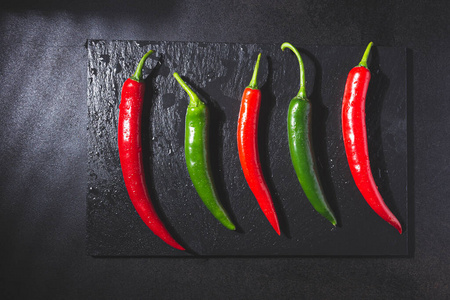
pixel 300 145
pixel 196 153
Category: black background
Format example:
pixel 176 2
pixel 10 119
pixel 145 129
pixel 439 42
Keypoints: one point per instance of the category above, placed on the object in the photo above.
pixel 43 149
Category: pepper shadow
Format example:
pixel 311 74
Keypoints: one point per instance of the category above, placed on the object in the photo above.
pixel 217 119
pixel 376 94
pixel 410 149
pixel 151 93
pixel 320 138
pixel 268 102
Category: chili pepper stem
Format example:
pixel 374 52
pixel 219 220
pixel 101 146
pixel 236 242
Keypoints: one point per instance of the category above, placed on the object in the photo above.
pixel 363 62
pixel 302 91
pixel 194 99
pixel 137 76
pixel 254 82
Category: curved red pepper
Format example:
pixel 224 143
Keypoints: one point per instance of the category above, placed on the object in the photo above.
pixel 355 139
pixel 130 152
pixel 247 140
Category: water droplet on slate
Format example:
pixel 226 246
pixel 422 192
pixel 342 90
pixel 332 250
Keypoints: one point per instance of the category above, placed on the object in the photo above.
pixel 118 68
pixel 104 58
pixel 142 43
pixel 210 76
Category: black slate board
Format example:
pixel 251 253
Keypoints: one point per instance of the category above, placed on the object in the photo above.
pixel 219 72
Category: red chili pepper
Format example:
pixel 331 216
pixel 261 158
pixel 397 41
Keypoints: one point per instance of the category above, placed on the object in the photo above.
pixel 355 139
pixel 247 140
pixel 130 152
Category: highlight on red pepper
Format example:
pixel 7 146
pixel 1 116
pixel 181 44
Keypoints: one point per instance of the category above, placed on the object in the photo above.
pixel 299 120
pixel 130 153
pixel 197 154
pixel 247 140
pixel 355 139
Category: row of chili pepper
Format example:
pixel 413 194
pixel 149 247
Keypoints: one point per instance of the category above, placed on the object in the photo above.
pixel 300 148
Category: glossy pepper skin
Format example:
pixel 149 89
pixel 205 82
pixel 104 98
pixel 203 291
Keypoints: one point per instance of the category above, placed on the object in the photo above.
pixel 247 140
pixel 130 153
pixel 301 148
pixel 197 155
pixel 355 139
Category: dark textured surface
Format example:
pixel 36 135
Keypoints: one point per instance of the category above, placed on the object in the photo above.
pixel 220 72
pixel 43 149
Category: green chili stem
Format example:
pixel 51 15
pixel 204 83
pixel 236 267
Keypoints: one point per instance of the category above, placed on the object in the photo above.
pixel 254 83
pixel 137 76
pixel 363 62
pixel 302 90
pixel 194 99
